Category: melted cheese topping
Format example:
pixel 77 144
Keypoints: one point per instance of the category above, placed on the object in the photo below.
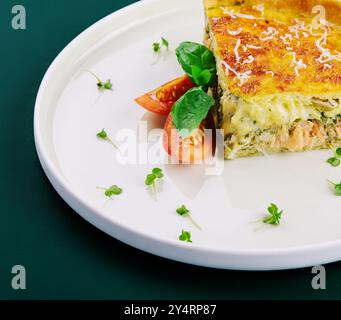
pixel 282 46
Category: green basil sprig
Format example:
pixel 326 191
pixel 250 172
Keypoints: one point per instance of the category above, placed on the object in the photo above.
pixel 188 112
pixel 198 62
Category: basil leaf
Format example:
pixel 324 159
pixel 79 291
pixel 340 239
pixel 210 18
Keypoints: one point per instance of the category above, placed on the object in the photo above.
pixel 198 62
pixel 190 110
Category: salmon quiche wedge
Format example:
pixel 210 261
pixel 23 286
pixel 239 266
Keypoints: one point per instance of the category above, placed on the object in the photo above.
pixel 279 74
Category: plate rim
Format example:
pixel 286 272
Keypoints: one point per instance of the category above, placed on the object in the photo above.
pixel 300 256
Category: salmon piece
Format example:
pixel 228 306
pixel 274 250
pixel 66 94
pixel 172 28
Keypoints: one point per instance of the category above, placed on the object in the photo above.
pixel 306 135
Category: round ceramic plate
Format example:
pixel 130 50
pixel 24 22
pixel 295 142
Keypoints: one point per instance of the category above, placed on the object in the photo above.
pixel 70 111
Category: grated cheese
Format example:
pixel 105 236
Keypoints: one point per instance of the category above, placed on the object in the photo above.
pixel 250 46
pixel 294 30
pixel 297 64
pixel 236 48
pixel 269 34
pixel 235 15
pixel 236 32
pixel 242 77
pixel 285 37
pixel 250 59
pixel 325 52
pixel 270 72
pixel 215 19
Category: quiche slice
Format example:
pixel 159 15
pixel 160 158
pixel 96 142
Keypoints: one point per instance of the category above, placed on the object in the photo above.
pixel 279 74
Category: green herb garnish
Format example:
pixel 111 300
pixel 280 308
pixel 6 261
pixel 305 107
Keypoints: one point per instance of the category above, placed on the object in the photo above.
pixel 157 47
pixel 335 162
pixel 152 177
pixel 337 187
pixel 185 236
pixel 104 136
pixel 111 191
pixel 190 110
pixel 101 85
pixel 274 216
pixel 198 62
pixel 165 43
pixel 184 212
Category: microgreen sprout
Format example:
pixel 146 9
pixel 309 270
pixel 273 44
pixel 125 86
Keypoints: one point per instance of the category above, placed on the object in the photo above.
pixel 101 85
pixel 185 236
pixel 165 43
pixel 111 191
pixel 335 161
pixel 157 47
pixel 274 216
pixel 152 177
pixel 184 212
pixel 104 136
pixel 337 187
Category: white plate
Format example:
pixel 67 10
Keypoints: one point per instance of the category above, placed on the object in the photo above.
pixel 69 111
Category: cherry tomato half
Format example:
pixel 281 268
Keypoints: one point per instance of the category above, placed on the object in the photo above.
pixel 197 147
pixel 162 99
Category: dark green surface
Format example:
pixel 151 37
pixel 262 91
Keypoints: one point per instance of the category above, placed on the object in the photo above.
pixel 66 257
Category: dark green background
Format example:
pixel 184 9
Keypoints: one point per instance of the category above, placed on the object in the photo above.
pixel 65 257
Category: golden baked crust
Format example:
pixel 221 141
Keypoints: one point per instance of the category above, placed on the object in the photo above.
pixel 278 46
